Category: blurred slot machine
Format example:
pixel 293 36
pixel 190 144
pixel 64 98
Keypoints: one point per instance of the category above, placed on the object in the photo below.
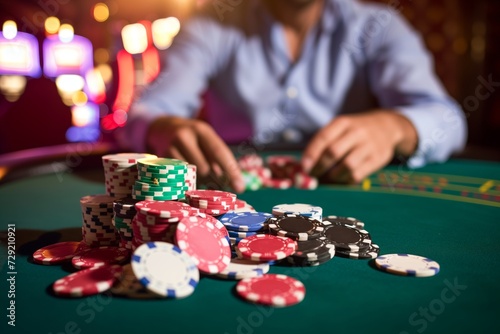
pixel 19 59
pixel 138 63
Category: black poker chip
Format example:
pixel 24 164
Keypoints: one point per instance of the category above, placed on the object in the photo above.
pixel 371 253
pixel 346 237
pixel 296 227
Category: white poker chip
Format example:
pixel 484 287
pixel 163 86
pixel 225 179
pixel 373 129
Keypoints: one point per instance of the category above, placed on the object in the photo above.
pixel 407 265
pixel 302 209
pixel 242 268
pixel 165 269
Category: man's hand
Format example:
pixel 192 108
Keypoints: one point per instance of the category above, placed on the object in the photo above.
pixel 196 142
pixel 352 147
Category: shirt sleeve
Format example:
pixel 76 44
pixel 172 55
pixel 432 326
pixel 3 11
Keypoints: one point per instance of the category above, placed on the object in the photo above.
pixel 402 78
pixel 187 67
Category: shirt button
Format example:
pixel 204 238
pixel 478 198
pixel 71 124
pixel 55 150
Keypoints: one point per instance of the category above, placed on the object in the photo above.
pixel 292 135
pixel 292 92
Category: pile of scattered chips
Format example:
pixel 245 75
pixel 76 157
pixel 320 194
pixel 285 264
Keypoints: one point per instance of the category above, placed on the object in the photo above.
pixel 279 171
pixel 169 242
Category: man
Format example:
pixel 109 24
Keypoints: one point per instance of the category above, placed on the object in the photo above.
pixel 352 79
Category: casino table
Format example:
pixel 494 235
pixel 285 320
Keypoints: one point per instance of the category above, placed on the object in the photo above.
pixel 448 212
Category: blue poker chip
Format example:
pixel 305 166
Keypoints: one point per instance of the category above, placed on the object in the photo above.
pixel 245 221
pixel 407 265
pixel 237 234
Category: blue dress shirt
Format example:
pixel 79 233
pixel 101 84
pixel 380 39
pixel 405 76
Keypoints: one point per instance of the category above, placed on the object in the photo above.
pixel 358 57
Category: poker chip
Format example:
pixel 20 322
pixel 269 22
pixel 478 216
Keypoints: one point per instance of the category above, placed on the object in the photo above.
pixel 207 245
pixel 245 221
pixel 346 237
pixel 211 195
pixel 58 252
pixel 271 289
pixel 371 252
pixel 306 210
pixel 314 249
pixel 242 268
pixel 87 282
pixel 100 256
pixel 407 265
pixel 295 227
pixel 265 247
pixel 97 220
pixel 162 164
pixel 240 235
pixel 344 220
pixel 165 209
pixel 165 269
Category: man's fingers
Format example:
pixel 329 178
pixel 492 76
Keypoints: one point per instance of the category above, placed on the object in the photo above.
pixel 187 142
pixel 347 168
pixel 336 152
pixel 173 152
pixel 321 141
pixel 218 152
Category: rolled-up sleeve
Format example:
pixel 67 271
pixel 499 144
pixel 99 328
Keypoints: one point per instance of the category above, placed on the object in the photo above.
pixel 403 79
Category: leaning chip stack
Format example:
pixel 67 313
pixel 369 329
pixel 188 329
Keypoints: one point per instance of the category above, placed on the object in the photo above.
pixel 312 252
pixel 124 213
pixel 97 221
pixel 211 202
pixel 296 227
pixel 120 172
pixel 160 179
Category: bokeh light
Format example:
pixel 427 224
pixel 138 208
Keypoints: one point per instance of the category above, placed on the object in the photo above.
pixel 101 56
pixel 79 98
pixel 66 33
pixel 83 115
pixel 12 86
pixel 52 25
pixel 135 38
pixel 101 12
pixel 164 31
pixel 106 72
pixel 9 29
pixel 96 85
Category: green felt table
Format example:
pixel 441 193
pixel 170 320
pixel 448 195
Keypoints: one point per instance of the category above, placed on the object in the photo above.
pixel 448 212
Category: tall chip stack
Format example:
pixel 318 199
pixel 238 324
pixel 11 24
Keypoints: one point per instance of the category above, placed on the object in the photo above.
pixel 191 177
pixel 160 179
pixel 97 225
pixel 120 172
pixel 124 213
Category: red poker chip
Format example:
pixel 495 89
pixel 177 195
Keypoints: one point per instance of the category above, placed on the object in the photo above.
pixel 59 252
pixel 164 209
pixel 87 282
pixel 208 204
pixel 218 225
pixel 207 244
pixel 272 289
pixel 212 195
pixel 266 247
pixel 104 255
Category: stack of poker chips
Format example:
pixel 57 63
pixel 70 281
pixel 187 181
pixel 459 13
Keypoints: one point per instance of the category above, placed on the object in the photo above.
pixel 97 221
pixel 350 238
pixel 191 177
pixel 160 179
pixel 278 171
pixel 120 172
pixel 157 220
pixel 211 202
pixel 241 225
pixel 313 248
pixel 124 213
